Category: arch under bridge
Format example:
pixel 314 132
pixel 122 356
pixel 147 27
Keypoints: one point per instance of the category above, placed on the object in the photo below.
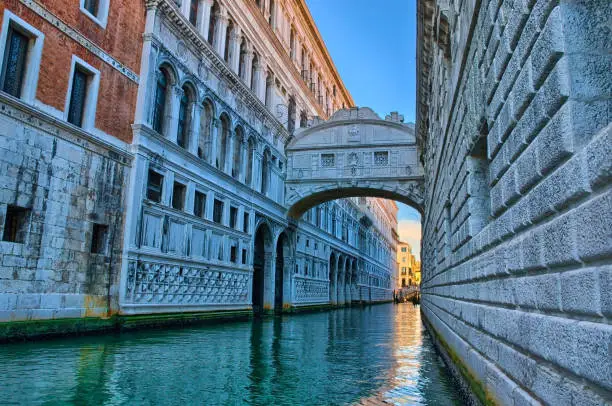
pixel 354 153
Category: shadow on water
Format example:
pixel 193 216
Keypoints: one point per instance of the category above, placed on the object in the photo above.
pixel 339 357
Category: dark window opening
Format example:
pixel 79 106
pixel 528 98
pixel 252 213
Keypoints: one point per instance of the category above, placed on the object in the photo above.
pixel 99 236
pixel 92 6
pixel 160 102
pixel 218 211
pixel 16 224
pixel 199 204
pixel 233 254
pixel 245 224
pixel 233 217
pixel 78 97
pixel 183 126
pixel 178 196
pixel 155 186
pixel 14 64
pixel 244 256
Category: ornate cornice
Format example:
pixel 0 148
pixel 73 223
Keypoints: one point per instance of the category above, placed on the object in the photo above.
pixel 189 33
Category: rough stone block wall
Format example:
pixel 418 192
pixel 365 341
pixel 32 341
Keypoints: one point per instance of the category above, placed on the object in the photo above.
pixel 66 183
pixel 517 263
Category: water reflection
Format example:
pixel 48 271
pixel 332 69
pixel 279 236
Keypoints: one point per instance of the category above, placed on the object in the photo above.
pixel 339 357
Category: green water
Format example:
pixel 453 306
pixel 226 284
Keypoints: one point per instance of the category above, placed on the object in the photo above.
pixel 357 355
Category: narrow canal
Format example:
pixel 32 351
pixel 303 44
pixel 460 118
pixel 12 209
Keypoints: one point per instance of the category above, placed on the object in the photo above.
pixel 348 356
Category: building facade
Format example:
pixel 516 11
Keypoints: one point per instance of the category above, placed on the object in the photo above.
pixel 514 121
pixel 167 194
pixel 409 269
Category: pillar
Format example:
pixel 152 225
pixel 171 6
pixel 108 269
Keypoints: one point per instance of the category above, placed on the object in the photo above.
pixel 204 21
pixel 234 54
pixel 146 90
pixel 213 141
pixel 229 153
pixel 172 113
pixel 219 36
pixel 194 130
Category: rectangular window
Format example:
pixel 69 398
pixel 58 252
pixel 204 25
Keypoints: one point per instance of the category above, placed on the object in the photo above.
pixel 91 6
pixel 233 217
pixel 381 158
pixel 15 60
pixel 403 249
pixel 178 196
pixel 328 160
pixel 99 236
pixel 78 97
pixel 244 256
pixel 16 224
pixel 479 201
pixel 218 211
pixel 245 222
pixel 155 186
pixel 233 254
pixel 199 204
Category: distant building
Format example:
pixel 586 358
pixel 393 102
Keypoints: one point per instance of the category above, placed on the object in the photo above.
pixel 408 268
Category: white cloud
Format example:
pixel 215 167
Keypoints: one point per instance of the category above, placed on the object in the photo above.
pixel 410 231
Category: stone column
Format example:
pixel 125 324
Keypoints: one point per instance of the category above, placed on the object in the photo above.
pixel 229 153
pixel 146 89
pixel 257 170
pixel 194 132
pixel 261 76
pixel 171 130
pixel 248 62
pixel 213 141
pixel 234 51
pixel 204 21
pixel 244 159
pixel 219 36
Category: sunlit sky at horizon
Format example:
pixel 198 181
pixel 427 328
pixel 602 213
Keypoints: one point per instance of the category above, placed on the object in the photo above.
pixel 373 45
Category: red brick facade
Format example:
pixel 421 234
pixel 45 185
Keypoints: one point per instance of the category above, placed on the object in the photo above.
pixel 121 39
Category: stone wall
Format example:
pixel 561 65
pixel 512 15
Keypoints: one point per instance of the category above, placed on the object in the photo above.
pixel 514 116
pixel 59 184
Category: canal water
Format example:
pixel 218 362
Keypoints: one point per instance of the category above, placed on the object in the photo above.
pixel 358 355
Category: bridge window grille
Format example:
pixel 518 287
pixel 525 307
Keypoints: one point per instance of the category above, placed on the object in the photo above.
pixel 381 158
pixel 328 160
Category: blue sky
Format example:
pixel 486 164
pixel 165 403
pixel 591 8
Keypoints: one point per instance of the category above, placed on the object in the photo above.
pixel 373 44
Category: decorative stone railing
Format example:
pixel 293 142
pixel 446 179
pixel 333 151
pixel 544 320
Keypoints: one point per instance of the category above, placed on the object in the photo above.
pixel 307 290
pixel 162 283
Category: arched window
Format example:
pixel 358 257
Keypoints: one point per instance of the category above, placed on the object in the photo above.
pixel 214 20
pixel 254 65
pixel 222 141
pixel 182 134
pixel 265 172
pixel 206 122
pixel 161 95
pixel 303 119
pixel 236 153
pixel 249 166
pixel 228 36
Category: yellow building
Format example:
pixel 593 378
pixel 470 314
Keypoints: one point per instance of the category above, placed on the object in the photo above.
pixel 406 266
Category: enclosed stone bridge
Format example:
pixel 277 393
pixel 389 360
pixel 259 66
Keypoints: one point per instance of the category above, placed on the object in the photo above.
pixel 354 153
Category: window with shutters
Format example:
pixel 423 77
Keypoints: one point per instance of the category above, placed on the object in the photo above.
pixel 15 58
pixel 82 96
pixel 78 97
pixel 20 54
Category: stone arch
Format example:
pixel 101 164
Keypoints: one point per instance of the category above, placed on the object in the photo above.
pixel 262 281
pixel 166 65
pixel 303 199
pixel 165 79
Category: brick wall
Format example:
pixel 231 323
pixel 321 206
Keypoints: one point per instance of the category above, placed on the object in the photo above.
pixel 518 219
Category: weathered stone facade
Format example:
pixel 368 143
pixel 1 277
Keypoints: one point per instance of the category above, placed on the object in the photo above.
pixel 514 118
